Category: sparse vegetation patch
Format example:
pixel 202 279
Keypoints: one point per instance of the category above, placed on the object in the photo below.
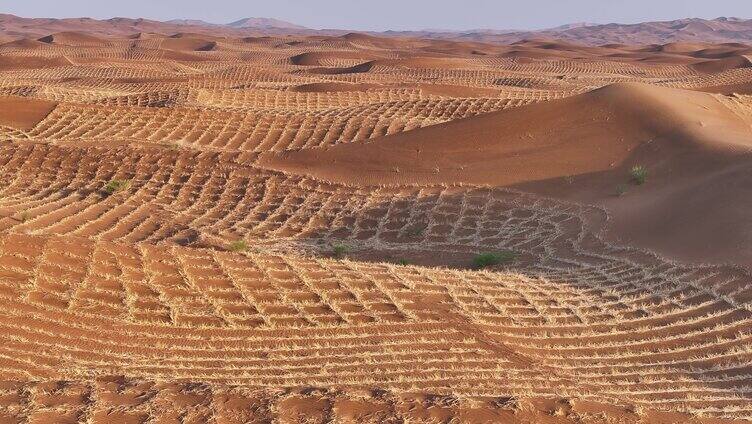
pixel 115 186
pixel 340 250
pixel 639 175
pixel 417 230
pixel 239 246
pixel 484 260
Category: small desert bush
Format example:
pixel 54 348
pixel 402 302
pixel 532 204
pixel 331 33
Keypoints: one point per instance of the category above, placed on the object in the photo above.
pixel 403 262
pixel 417 231
pixel 485 260
pixel 639 175
pixel 239 246
pixel 621 189
pixel 339 250
pixel 115 186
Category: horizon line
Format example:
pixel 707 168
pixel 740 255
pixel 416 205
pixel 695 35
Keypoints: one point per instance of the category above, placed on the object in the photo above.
pixel 434 30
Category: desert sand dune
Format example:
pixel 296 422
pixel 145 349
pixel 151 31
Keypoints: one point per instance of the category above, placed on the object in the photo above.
pixel 189 42
pixel 218 224
pixel 723 64
pixel 24 43
pixel 592 132
pixel 692 144
pixel 74 38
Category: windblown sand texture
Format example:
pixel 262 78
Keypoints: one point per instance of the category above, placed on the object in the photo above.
pixel 132 168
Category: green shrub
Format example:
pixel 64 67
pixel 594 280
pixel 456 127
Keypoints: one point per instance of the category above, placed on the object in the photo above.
pixel 239 246
pixel 639 175
pixel 340 250
pixel 403 262
pixel 417 231
pixel 115 186
pixel 621 189
pixel 485 260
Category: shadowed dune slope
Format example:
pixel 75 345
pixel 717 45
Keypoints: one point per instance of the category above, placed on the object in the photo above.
pixel 320 58
pixel 333 87
pixel 696 151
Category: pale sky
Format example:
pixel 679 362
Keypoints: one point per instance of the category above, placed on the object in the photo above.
pixel 379 15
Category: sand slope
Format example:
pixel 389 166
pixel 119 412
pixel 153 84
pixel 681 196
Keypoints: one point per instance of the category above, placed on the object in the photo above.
pixel 593 132
pixel 23 114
